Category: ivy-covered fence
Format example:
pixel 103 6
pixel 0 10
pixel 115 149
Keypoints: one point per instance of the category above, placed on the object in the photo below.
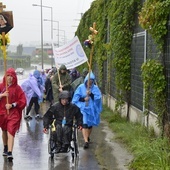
pixel 131 54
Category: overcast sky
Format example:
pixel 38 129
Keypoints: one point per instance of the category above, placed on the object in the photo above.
pixel 27 19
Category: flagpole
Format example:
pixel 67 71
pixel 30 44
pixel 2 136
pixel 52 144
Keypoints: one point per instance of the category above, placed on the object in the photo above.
pixel 59 76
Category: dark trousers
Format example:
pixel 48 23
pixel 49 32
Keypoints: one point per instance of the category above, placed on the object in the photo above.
pixel 63 135
pixel 34 100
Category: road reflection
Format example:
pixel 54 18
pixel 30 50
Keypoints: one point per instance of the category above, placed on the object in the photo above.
pixel 31 151
pixel 31 148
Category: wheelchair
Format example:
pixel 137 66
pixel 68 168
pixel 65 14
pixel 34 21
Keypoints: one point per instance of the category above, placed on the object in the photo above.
pixel 73 146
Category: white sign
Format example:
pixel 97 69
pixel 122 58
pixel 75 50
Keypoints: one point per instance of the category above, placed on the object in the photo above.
pixel 70 54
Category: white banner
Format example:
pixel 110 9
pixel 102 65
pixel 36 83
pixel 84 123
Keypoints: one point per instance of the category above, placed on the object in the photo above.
pixel 70 54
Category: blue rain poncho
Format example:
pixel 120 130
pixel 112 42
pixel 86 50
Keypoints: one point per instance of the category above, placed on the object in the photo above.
pixel 91 112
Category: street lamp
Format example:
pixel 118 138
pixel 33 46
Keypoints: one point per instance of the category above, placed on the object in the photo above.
pixel 52 28
pixel 42 57
pixel 51 17
pixel 63 35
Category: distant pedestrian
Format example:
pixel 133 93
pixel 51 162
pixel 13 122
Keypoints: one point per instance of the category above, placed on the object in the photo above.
pixel 89 99
pixel 48 87
pixel 44 77
pixel 60 81
pixel 12 102
pixel 74 74
pixel 78 81
pixel 34 90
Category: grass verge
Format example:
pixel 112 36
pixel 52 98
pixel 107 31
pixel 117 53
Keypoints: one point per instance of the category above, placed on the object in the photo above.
pixel 150 152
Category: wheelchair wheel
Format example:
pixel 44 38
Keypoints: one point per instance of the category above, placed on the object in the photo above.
pixel 74 143
pixel 75 133
pixel 51 145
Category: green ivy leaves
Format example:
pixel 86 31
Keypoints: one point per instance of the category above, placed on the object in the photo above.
pixel 154 17
pixel 154 85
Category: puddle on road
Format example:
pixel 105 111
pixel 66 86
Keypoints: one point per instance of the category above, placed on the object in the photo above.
pixel 110 154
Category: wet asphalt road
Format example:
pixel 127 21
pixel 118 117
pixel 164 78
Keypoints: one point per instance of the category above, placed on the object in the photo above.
pixel 31 150
pixel 31 147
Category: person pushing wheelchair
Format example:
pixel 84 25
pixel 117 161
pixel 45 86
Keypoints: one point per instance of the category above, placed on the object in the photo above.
pixel 62 114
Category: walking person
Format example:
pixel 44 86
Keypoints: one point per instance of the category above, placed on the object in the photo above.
pixel 44 77
pixel 60 81
pixel 12 102
pixel 89 99
pixel 74 74
pixel 48 87
pixel 78 81
pixel 34 90
pixel 63 113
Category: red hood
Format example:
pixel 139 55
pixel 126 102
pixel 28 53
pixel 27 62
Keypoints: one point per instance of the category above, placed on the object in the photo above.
pixel 12 73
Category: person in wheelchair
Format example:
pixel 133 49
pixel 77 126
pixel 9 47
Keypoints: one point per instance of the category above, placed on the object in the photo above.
pixel 62 114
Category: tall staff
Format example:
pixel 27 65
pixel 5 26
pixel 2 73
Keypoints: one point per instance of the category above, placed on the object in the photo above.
pixel 57 69
pixel 94 32
pixel 5 63
pixel 4 51
pixel 6 25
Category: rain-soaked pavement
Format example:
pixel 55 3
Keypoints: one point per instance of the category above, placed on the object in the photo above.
pixel 31 149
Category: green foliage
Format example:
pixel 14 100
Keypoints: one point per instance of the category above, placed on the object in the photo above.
pixel 151 155
pixel 115 21
pixel 121 38
pixel 154 86
pixel 120 17
pixel 154 17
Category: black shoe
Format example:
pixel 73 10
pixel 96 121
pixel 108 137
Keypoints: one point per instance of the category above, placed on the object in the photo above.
pixel 27 117
pixel 57 150
pixel 86 145
pixel 63 150
pixel 5 152
pixel 38 116
pixel 10 157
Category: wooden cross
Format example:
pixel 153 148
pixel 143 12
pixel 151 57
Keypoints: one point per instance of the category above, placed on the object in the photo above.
pixel 94 32
pixel 2 6
pixel 93 29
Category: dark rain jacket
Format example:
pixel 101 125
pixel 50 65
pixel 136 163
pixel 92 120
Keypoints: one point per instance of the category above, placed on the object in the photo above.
pixel 58 111
pixel 65 82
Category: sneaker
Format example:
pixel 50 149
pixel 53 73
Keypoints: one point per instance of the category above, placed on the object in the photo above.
pixel 5 153
pixel 27 117
pixel 10 157
pixel 63 150
pixel 38 116
pixel 86 145
pixel 57 150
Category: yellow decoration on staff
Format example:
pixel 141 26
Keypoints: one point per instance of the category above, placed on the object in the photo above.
pixel 3 47
pixel 6 42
